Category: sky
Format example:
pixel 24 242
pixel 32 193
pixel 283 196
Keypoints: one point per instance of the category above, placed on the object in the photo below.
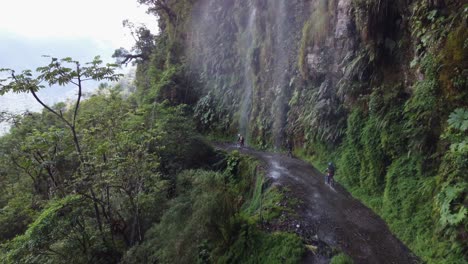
pixel 97 20
pixel 62 28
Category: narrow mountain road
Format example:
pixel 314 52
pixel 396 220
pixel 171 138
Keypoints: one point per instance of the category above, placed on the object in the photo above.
pixel 336 218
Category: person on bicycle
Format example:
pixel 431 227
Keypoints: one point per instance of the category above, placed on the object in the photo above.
pixel 240 141
pixel 330 172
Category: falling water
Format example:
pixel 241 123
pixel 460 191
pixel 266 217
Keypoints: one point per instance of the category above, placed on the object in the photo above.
pixel 247 47
pixel 281 34
pixel 243 52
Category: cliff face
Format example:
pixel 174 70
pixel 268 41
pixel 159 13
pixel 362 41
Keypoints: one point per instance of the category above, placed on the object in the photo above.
pixel 369 84
pixel 246 53
pixel 267 63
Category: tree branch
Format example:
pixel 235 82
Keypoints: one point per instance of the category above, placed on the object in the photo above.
pixel 48 108
pixel 77 105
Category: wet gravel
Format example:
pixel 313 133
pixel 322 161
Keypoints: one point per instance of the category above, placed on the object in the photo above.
pixel 328 218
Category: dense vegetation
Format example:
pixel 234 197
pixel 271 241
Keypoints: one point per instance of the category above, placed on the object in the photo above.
pixel 130 180
pixel 138 185
pixel 114 179
pixel 378 87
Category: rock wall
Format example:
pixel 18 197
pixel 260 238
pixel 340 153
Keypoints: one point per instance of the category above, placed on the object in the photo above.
pixel 291 71
pixel 377 86
pixel 245 53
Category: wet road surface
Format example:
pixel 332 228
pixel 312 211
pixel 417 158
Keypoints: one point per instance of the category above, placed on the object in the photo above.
pixel 336 218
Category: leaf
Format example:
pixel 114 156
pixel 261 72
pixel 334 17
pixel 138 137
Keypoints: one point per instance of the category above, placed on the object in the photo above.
pixel 464 125
pixel 459 119
pixel 458 217
pixel 452 213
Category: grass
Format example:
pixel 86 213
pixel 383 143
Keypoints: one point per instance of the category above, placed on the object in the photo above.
pixel 341 258
pixel 254 246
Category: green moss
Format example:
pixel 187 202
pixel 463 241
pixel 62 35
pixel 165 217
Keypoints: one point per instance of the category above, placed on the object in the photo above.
pixel 253 246
pixel 315 31
pixel 378 167
pixel 454 57
pixel 422 111
pixel 261 203
pixel 341 258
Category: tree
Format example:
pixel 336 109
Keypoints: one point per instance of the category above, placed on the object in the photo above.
pixel 160 6
pixel 144 45
pixel 63 72
pixel 57 72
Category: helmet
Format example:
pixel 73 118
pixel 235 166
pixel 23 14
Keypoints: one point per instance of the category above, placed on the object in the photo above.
pixel 330 163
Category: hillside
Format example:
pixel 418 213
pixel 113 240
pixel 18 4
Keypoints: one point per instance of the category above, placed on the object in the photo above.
pixel 377 87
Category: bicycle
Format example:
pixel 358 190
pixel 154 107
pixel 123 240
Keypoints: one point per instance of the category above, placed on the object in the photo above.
pixel 329 180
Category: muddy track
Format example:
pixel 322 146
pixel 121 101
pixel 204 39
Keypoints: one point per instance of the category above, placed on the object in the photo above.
pixel 335 216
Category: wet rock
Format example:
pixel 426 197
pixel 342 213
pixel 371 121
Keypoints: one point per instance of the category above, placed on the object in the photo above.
pixel 343 20
pixel 317 60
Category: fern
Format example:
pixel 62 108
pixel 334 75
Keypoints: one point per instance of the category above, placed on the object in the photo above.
pixel 459 119
pixel 452 213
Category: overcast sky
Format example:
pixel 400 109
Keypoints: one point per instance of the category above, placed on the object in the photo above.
pixel 97 20
pixel 80 29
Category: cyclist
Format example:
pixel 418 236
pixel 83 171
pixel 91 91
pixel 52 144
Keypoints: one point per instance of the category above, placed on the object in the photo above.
pixel 240 141
pixel 330 173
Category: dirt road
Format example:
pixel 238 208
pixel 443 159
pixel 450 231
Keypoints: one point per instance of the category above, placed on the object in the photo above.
pixel 332 214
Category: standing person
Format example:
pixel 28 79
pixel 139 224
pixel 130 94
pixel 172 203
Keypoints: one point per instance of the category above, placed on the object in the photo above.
pixel 289 147
pixel 330 173
pixel 241 141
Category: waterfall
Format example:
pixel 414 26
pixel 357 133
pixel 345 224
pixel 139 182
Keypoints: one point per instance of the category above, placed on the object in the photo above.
pixel 281 67
pixel 247 47
pixel 244 53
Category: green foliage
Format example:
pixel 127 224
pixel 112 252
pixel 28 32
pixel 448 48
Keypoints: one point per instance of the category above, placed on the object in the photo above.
pixel 400 204
pixel 62 232
pixel 350 158
pixel 357 72
pixel 421 110
pixel 373 161
pixel 213 219
pixel 15 216
pixel 459 119
pixel 371 18
pixel 253 246
pixel 143 47
pixel 57 72
pixel 315 31
pixel 126 188
pixel 450 200
pixel 132 154
pixel 198 213
pixel 233 161
pixel 341 258
pixel 163 87
pixel 265 203
pixel 420 204
pixel 208 115
pixel 181 146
